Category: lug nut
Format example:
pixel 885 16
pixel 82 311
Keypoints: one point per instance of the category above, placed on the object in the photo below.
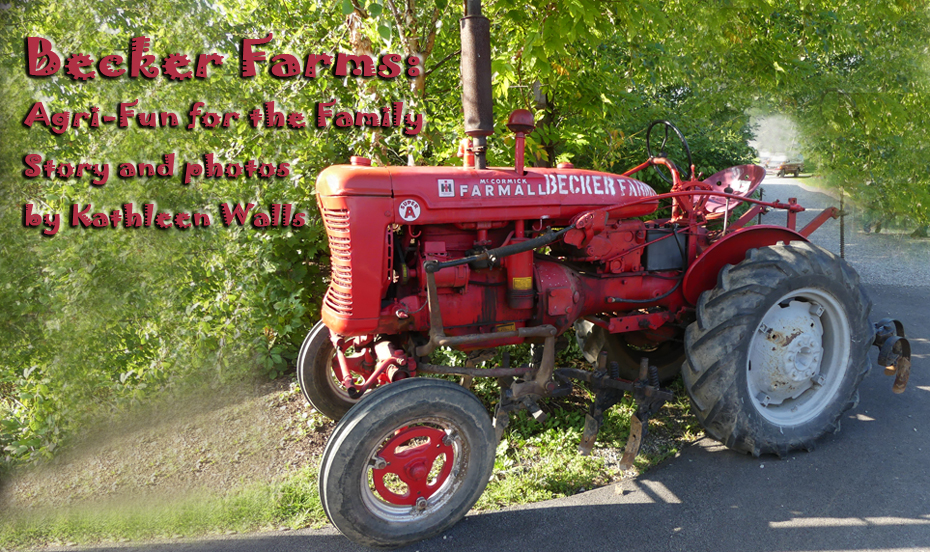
pixel 421 504
pixel 379 463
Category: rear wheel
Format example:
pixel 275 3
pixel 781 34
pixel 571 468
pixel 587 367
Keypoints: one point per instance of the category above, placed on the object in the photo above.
pixel 407 462
pixel 667 356
pixel 778 349
pixel 316 377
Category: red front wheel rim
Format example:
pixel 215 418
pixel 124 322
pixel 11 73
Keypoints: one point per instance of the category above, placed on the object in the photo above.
pixel 415 469
pixel 409 459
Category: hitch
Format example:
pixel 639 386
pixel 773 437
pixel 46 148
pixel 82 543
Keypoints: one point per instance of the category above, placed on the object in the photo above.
pixel 894 352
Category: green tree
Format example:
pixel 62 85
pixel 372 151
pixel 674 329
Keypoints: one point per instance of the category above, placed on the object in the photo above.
pixel 92 320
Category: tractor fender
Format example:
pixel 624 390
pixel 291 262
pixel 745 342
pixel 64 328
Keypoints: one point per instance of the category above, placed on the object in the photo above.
pixel 702 274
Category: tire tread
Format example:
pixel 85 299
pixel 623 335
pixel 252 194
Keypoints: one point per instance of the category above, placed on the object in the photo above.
pixel 728 312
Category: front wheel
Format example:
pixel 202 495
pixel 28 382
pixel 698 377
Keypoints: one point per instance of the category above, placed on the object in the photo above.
pixel 318 381
pixel 778 349
pixel 407 462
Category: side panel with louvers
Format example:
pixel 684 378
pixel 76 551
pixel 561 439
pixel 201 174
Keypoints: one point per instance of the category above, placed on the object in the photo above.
pixel 356 228
pixel 339 296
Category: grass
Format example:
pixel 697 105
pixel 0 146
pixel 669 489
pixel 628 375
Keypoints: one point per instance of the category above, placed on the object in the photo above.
pixel 292 503
pixel 535 461
pixel 541 462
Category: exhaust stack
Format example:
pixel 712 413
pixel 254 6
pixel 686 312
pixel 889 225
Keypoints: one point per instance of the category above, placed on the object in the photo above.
pixel 476 79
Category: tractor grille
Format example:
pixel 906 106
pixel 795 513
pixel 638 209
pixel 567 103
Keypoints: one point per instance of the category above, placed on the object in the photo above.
pixel 340 251
pixel 339 295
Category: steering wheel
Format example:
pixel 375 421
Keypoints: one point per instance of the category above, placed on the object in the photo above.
pixel 661 148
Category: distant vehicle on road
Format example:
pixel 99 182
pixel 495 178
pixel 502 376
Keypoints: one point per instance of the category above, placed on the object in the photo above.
pixel 789 167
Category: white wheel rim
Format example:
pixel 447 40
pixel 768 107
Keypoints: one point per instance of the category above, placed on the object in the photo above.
pixel 798 357
pixel 407 514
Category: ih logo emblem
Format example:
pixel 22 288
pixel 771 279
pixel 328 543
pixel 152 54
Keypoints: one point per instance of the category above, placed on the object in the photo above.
pixel 447 188
pixel 409 210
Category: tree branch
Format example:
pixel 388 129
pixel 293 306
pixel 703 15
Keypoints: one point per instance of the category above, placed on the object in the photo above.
pixel 440 62
pixel 360 10
pixel 400 26
pixel 431 39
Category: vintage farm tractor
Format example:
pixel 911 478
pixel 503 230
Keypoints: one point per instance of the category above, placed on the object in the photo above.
pixel 770 332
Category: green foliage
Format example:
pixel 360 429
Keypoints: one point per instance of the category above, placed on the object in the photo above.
pixel 540 461
pixel 97 320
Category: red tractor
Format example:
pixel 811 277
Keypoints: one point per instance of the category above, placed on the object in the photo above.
pixel 769 332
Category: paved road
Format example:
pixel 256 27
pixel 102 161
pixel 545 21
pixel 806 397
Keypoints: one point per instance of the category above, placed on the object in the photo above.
pixel 881 259
pixel 866 488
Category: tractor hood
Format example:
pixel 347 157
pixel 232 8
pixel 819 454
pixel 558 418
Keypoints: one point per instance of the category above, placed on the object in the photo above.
pixel 431 195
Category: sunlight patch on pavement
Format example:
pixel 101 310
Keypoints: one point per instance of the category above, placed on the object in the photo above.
pixel 645 492
pixel 630 493
pixel 662 492
pixel 797 523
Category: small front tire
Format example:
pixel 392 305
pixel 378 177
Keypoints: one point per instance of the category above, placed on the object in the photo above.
pixel 407 462
pixel 316 378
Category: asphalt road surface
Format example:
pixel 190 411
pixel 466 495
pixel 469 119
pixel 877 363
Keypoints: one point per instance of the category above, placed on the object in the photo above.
pixel 865 488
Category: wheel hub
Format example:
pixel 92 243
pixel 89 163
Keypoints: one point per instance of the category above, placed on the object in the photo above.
pixel 802 358
pixel 401 469
pixel 417 470
pixel 785 360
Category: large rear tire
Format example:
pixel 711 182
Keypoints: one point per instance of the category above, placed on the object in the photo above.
pixel 778 349
pixel 407 462
pixel 318 382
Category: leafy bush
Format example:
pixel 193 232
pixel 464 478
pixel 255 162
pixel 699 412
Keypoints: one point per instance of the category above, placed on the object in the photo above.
pixel 97 320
